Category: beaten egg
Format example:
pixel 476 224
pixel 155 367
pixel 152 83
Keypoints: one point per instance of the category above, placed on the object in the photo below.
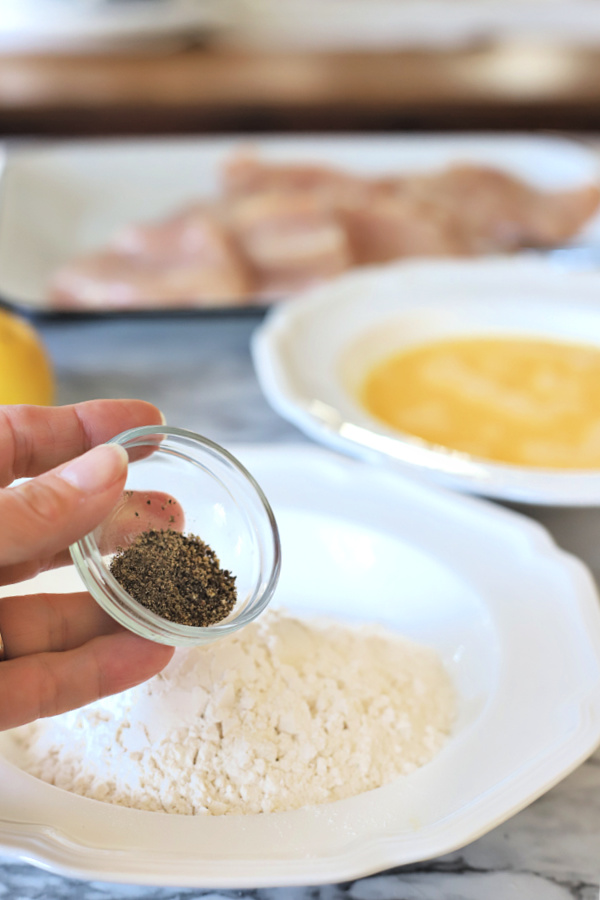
pixel 527 402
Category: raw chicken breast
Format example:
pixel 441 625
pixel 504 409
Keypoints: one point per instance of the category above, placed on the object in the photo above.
pixel 397 225
pixel 245 173
pixel 289 239
pixel 112 280
pixel 497 212
pixel 187 260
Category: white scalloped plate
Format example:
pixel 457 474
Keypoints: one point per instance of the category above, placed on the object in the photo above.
pixel 515 619
pixel 311 354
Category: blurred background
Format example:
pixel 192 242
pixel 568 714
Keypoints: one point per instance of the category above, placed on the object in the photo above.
pixel 138 67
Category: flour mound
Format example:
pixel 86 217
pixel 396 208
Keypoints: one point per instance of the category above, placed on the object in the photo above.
pixel 284 714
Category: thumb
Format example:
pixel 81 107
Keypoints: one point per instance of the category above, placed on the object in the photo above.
pixel 44 515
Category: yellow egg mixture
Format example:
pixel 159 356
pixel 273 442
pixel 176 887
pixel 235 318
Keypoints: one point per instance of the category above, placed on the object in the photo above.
pixel 521 401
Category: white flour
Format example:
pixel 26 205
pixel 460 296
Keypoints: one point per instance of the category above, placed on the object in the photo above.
pixel 286 713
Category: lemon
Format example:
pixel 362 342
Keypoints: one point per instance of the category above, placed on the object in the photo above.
pixel 26 374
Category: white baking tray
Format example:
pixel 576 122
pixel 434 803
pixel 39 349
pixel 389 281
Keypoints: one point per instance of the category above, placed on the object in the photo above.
pixel 58 200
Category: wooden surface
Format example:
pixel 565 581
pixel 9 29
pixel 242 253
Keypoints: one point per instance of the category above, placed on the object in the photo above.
pixel 199 90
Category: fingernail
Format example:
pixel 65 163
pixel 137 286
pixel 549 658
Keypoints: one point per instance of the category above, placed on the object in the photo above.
pixel 97 469
pixel 162 417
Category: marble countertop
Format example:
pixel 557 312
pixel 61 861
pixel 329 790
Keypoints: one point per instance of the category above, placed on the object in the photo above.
pixel 199 372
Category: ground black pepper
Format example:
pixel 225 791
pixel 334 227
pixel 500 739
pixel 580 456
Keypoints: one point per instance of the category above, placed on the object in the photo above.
pixel 176 576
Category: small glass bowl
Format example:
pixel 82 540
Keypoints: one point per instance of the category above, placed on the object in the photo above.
pixel 181 480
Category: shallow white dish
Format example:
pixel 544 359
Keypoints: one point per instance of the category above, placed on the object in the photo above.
pixel 58 200
pixel 311 354
pixel 515 619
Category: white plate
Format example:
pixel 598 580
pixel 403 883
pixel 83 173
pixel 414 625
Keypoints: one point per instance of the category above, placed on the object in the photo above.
pixel 515 619
pixel 61 200
pixel 312 353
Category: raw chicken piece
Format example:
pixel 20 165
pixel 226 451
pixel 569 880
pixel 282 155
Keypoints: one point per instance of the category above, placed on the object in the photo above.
pixel 394 225
pixel 290 239
pixel 192 233
pixel 464 209
pixel 188 260
pixel 496 212
pixel 119 281
pixel 244 173
pixel 381 220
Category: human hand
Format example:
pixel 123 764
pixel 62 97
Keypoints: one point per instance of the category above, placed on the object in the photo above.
pixel 62 651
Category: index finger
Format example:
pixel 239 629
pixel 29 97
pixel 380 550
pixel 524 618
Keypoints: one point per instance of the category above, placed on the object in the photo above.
pixel 136 511
pixel 34 439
